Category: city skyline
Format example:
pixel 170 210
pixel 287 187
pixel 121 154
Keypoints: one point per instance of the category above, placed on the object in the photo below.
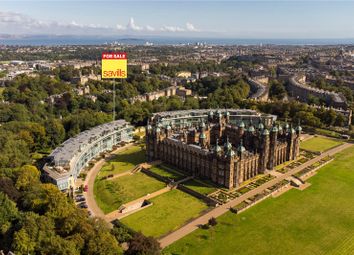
pixel 223 19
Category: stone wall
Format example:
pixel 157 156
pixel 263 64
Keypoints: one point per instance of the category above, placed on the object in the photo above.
pixel 208 200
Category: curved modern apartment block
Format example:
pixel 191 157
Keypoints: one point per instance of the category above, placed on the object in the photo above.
pixel 66 161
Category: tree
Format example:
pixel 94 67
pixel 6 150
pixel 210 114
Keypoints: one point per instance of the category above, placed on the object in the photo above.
pixel 55 132
pixel 121 234
pixel 142 245
pixel 8 213
pixel 340 120
pixel 103 243
pixel 22 243
pixel 277 90
pixel 27 176
pixel 212 221
pixel 14 152
pixel 7 187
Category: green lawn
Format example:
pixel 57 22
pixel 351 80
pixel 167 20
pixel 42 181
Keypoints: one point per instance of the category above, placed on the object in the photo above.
pixel 125 160
pixel 168 212
pixel 317 220
pixel 319 144
pixel 111 194
pixel 167 172
pixel 200 186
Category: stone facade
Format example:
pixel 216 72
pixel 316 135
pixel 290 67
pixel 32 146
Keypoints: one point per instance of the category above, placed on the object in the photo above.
pixel 227 152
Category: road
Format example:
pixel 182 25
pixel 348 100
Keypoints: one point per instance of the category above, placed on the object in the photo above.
pixel 90 180
pixel 193 225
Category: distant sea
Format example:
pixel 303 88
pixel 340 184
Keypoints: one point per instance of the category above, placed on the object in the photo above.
pixel 92 40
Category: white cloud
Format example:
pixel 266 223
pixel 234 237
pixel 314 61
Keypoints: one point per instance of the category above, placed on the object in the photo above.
pixel 149 28
pixel 23 24
pixel 172 29
pixel 120 27
pixel 191 27
pixel 132 26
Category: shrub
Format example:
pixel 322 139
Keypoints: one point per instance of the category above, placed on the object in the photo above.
pixel 204 226
pixel 212 221
pixel 142 245
pixel 233 210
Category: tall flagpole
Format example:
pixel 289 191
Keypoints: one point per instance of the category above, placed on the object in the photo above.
pixel 114 99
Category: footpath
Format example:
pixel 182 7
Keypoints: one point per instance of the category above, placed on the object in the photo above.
pixel 220 210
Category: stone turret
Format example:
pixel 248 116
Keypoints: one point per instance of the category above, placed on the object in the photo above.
pixel 217 148
pixel 290 148
pixel 241 150
pixel 168 131
pixel 202 140
pixel 298 129
pixel 264 151
pixel 260 127
pixel 241 129
pixel 286 127
pixel 210 116
pixel 227 116
pixel 250 137
pixel 227 145
pixel 273 146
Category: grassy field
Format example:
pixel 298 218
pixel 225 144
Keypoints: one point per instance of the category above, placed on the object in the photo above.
pixel 167 172
pixel 319 144
pixel 317 220
pixel 200 187
pixel 168 212
pixel 125 160
pixel 111 194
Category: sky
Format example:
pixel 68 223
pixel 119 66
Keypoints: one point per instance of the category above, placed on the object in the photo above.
pixel 224 19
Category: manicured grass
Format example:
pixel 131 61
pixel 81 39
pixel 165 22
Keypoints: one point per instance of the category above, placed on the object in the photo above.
pixel 168 212
pixel 125 160
pixel 317 220
pixel 111 194
pixel 167 172
pixel 319 144
pixel 200 186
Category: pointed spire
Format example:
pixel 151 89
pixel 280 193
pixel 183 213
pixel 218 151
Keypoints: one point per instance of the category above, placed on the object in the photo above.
pixel 240 148
pixel 251 127
pixel 286 126
pixel 274 128
pixel 298 128
pixel 241 124
pixel 217 147
pixel 260 125
pixel 227 145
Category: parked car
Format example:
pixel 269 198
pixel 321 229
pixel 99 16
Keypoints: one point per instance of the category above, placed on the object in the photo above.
pixel 80 199
pixel 82 205
pixel 86 188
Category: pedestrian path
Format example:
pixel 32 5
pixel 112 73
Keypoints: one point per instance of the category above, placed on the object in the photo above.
pixel 218 211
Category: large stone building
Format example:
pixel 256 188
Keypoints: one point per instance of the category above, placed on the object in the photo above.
pixel 227 147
